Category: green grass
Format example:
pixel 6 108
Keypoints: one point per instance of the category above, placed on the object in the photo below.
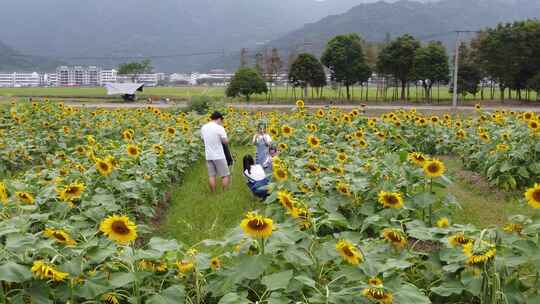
pixel 195 214
pixel 482 206
pixel 185 93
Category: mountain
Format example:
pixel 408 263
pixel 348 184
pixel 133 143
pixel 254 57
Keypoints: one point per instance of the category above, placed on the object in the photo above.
pixel 427 21
pixel 68 29
pixel 12 60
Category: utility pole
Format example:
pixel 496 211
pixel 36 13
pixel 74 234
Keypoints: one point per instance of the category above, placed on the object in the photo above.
pixel 456 67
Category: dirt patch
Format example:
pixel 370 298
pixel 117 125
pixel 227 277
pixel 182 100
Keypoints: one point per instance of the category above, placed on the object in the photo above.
pixel 424 246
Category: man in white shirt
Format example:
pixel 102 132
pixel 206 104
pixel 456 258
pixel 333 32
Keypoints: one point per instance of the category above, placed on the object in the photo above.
pixel 214 137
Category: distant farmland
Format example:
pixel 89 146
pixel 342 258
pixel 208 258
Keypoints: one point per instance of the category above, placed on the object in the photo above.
pixel 281 93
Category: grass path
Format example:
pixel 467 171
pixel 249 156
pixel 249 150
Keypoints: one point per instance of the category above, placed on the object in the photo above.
pixel 482 206
pixel 195 214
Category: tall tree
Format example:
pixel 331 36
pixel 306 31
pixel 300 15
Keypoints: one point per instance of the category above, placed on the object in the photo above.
pixel 307 71
pixel 431 65
pixel 246 82
pixel 345 59
pixel 397 58
pixel 508 53
pixel 135 68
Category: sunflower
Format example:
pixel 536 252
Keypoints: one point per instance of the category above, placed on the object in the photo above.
pixel 170 131
pixel 502 147
pixel 110 298
pixel 43 271
pixel 133 150
pixel 362 143
pixel 343 188
pixel 300 103
pixel 286 130
pixel 434 119
pixel 391 199
pixel 479 254
pixel 303 215
pixel 341 157
pixel 320 113
pixel 534 126
pixel 528 116
pixel 71 192
pixel 458 239
pixel 513 227
pixel 119 229
pixel 60 236
pixel 313 141
pixel 280 173
pixel 378 295
pixel 505 136
pixel 461 134
pixel 417 158
pixel 349 252
pixel 104 167
pixel 3 194
pixel 434 168
pixel 283 146
pixel 396 237
pixel 25 197
pixel 256 225
pixel 443 222
pixel 128 134
pixel 532 196
pixel 484 136
pixel 215 263
pixel 81 150
pixel 375 282
pixel 286 199
pixel 184 266
pixel 477 106
pixel 158 149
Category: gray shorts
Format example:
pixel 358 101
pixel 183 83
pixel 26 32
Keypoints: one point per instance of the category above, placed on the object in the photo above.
pixel 218 167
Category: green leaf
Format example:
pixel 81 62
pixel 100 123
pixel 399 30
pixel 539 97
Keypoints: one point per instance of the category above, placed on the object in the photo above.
pixel 234 298
pixel 252 267
pixel 121 279
pixel 278 280
pixel 448 288
pixel 163 245
pixel 408 294
pixel 306 281
pixel 173 295
pixel 14 273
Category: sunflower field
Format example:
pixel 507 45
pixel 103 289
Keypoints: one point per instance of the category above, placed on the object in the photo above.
pixel 358 211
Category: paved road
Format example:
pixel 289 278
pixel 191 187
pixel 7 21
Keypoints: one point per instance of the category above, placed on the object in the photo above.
pixel 288 106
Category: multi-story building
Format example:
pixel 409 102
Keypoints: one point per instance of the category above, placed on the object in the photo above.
pixel 20 80
pixel 149 80
pixel 108 76
pixel 78 76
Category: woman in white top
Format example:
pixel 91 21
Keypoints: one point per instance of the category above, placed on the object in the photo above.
pixel 256 177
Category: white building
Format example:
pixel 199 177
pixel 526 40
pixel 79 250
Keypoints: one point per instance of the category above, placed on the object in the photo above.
pixel 108 76
pixel 149 80
pixel 78 76
pixel 20 80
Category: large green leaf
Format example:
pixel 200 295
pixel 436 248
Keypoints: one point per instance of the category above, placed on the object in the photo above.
pixel 14 273
pixel 278 280
pixel 234 298
pixel 173 295
pixel 410 294
pixel 448 288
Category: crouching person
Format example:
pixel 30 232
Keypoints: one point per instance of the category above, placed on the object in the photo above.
pixel 256 177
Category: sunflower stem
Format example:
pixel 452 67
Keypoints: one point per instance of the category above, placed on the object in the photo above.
pixel 262 246
pixel 431 205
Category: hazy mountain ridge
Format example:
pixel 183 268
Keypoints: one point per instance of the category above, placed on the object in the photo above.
pixel 103 28
pixel 373 21
pixel 11 60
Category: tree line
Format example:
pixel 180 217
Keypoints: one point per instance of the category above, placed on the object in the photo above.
pixel 504 57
